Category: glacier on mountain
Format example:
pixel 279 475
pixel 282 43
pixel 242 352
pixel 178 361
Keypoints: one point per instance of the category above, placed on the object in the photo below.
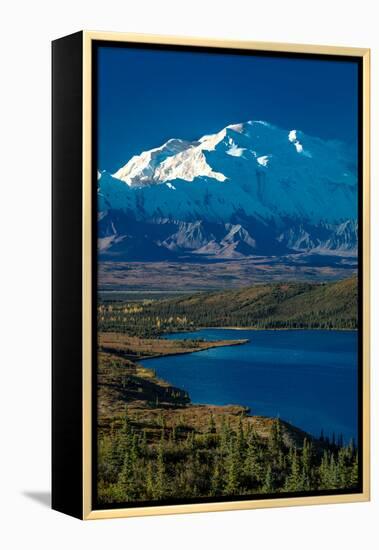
pixel 285 191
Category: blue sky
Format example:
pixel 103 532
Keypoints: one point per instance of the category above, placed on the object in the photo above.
pixel 146 97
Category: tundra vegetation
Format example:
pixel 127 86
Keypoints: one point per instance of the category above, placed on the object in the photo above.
pixel 154 444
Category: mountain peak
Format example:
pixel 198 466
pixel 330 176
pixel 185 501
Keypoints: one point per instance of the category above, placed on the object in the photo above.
pixel 153 166
pixel 251 189
pixel 252 167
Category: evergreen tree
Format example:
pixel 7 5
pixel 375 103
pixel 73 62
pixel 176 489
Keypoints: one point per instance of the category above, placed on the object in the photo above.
pixel 306 466
pixel 293 481
pixel 324 472
pixel 224 437
pixel 150 489
pixel 134 450
pixel 240 440
pixel 333 473
pixel 126 477
pixel 354 476
pixel 232 476
pixel 343 467
pixel 230 460
pixel 268 486
pixel 276 437
pixel 251 465
pixel 160 482
pixel 126 456
pixel 216 481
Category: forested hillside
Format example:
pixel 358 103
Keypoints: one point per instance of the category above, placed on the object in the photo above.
pixel 277 305
pixel 160 446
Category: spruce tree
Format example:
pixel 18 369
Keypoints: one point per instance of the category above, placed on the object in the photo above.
pixel 324 472
pixel 306 465
pixel 343 467
pixel 354 476
pixel 293 481
pixel 224 437
pixel 240 440
pixel 216 481
pixel 160 482
pixel 127 456
pixel 126 478
pixel 124 442
pixel 333 473
pixel 276 436
pixel 134 450
pixel 251 467
pixel 150 488
pixel 232 478
pixel 268 486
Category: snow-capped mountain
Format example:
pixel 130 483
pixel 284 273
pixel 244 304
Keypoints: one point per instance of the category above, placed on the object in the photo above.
pixel 251 188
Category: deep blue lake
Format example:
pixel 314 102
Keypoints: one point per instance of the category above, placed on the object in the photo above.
pixel 306 377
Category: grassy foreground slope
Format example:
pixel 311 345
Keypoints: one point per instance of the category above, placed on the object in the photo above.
pixel 155 445
pixel 276 305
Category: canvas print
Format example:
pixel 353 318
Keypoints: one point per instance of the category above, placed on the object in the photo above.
pixel 228 360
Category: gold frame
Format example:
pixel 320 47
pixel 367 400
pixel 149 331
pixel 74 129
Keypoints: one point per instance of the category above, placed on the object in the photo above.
pixel 88 513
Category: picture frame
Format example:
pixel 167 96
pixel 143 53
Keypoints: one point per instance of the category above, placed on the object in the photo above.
pixel 81 430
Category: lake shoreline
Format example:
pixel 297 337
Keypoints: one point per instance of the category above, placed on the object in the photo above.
pixel 274 400
pixel 276 329
pixel 212 345
pixel 197 329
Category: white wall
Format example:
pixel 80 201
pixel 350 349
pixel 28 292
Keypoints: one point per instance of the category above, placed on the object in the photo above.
pixel 27 28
